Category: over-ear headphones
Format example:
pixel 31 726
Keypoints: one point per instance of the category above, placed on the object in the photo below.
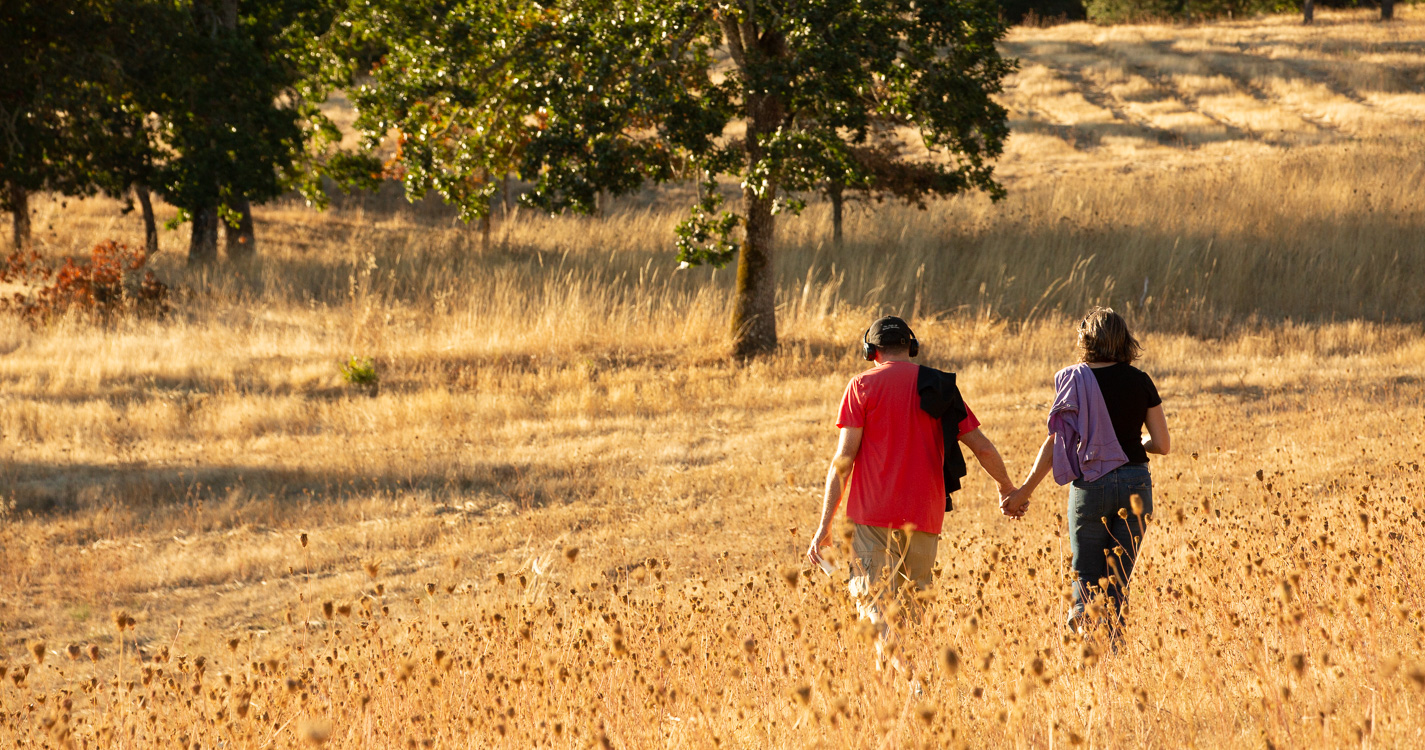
pixel 868 349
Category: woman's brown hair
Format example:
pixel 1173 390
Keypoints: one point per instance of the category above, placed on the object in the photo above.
pixel 1104 337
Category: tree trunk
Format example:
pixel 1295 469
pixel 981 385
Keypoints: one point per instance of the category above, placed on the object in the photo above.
pixel 487 218
pixel 241 240
pixel 754 306
pixel 150 227
pixel 838 201
pixel 754 311
pixel 1308 11
pixel 203 248
pixel 1387 10
pixel 19 200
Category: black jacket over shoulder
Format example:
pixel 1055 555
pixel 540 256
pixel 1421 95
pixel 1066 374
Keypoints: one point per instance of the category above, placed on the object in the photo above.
pixel 940 398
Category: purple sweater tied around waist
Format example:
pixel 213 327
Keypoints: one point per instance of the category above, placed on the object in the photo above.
pixel 1085 446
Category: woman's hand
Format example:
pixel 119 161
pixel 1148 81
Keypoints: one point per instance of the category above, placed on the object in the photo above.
pixel 1016 503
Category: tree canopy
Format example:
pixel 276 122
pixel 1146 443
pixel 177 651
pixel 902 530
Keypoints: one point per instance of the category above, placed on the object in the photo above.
pixel 583 97
pixel 200 100
pixel 211 103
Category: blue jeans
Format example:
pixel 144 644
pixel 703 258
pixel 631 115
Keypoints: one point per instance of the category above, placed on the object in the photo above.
pixel 1104 544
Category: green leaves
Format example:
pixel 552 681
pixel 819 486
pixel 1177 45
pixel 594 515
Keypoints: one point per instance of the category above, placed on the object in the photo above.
pixel 198 99
pixel 705 237
pixel 579 98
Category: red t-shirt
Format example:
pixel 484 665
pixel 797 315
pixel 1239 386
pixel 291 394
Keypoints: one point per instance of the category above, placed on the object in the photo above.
pixel 898 477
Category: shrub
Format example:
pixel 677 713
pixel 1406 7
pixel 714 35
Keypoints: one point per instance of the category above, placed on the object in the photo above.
pixel 1042 12
pixel 111 283
pixel 361 372
pixel 1135 11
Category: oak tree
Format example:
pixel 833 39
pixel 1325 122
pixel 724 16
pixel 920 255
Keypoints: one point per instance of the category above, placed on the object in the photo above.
pixel 583 97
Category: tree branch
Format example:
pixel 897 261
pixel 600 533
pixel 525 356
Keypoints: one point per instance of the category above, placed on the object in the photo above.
pixel 733 35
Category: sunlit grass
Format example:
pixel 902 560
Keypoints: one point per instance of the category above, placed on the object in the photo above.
pixel 564 517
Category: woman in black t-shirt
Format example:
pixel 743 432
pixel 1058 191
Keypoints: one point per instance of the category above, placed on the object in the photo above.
pixel 1107 514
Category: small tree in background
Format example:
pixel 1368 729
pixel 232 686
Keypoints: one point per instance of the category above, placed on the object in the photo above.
pixel 232 116
pixel 881 170
pixel 188 98
pixel 52 63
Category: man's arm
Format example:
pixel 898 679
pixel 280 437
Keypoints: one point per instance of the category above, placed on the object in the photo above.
pixel 846 450
pixel 989 458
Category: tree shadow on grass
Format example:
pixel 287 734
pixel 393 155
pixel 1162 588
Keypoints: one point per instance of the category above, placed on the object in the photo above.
pixel 57 490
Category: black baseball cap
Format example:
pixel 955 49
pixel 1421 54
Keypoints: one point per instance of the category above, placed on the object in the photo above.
pixel 889 331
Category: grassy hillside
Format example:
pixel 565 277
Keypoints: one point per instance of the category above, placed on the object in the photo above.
pixel 564 516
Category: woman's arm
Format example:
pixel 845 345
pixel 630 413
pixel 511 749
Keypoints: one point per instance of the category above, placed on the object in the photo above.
pixel 1017 503
pixel 1158 440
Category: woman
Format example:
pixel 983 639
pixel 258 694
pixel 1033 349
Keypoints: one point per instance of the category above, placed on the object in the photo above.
pixel 1095 442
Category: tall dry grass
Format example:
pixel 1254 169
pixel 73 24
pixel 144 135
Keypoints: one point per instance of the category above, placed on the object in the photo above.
pixel 213 478
pixel 441 523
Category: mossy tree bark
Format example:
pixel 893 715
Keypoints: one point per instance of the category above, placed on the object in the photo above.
pixel 754 308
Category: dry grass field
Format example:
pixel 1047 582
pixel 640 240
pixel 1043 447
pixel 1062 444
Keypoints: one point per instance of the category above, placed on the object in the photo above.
pixel 564 518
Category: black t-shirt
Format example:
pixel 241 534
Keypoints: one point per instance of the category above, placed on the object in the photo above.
pixel 1129 393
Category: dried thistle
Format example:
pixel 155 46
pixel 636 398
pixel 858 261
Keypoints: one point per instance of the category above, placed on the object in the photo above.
pixel 315 732
pixel 951 661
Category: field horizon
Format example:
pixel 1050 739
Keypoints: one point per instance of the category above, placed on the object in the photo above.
pixel 564 517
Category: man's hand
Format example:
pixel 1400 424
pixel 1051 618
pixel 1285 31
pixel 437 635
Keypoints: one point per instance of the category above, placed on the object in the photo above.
pixel 836 482
pixel 1015 503
pixel 822 538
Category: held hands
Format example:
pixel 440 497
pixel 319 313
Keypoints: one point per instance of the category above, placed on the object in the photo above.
pixel 1015 502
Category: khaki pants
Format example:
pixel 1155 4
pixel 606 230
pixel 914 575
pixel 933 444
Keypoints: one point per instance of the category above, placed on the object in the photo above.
pixel 889 562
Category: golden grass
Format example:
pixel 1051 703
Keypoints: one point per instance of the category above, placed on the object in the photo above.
pixel 213 478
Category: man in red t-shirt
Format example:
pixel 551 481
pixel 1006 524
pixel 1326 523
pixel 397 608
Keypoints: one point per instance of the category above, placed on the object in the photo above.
pixel 894 452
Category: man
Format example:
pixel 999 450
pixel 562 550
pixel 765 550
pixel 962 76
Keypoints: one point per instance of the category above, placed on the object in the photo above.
pixel 893 451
